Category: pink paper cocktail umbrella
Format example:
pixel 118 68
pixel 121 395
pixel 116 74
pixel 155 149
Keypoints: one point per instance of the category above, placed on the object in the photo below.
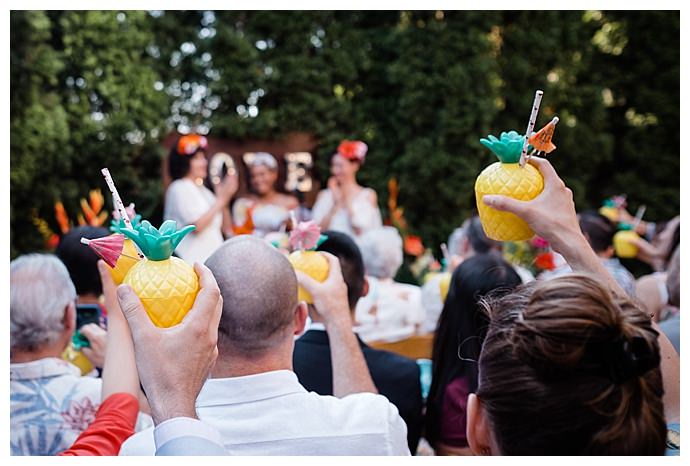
pixel 108 248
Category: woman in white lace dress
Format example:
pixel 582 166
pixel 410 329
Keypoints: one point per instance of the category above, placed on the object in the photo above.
pixel 345 205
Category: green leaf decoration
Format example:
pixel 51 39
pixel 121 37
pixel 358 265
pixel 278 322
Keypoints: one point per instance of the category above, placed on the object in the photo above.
pixel 508 148
pixel 158 244
pixel 116 226
pixel 320 241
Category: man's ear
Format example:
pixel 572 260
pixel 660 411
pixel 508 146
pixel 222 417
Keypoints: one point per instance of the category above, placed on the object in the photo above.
pixel 478 430
pixel 300 320
pixel 70 318
pixel 365 287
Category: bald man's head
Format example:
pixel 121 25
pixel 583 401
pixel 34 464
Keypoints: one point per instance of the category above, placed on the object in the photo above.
pixel 259 290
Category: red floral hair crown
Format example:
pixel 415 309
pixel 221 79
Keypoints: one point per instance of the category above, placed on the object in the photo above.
pixel 353 150
pixel 190 143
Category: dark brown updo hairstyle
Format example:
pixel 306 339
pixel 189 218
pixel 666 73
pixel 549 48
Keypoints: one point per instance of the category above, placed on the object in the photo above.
pixel 567 368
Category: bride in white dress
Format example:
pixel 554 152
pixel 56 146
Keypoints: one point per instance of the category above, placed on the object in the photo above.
pixel 269 210
pixel 345 205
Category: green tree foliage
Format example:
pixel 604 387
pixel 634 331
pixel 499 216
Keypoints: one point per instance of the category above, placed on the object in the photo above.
pixel 419 87
pixel 83 98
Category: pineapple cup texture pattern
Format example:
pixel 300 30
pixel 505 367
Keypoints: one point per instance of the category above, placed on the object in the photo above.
pixel 311 263
pixel 166 285
pixel 506 178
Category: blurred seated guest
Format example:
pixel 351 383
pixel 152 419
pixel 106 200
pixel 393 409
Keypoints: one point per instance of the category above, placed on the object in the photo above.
pixel 81 263
pixel 657 251
pixel 599 232
pixel 671 326
pixel 253 397
pixel 465 242
pixel 651 289
pixel 396 377
pixel 50 403
pixel 189 202
pixel 654 293
pixel 474 241
pixel 345 205
pixel 269 209
pixel 390 311
pixel 432 303
pixel 457 344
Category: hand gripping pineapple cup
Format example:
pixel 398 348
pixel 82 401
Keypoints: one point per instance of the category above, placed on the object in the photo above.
pixel 506 177
pixel 166 285
pixel 623 241
pixel 305 237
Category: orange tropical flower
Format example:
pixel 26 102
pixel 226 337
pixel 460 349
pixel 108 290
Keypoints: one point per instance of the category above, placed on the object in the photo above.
pixel 61 217
pixel 545 261
pixel 413 245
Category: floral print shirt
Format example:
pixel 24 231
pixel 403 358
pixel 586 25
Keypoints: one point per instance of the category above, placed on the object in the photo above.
pixel 50 405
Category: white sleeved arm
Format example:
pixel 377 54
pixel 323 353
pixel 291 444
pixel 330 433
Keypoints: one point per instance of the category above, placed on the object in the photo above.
pixel 397 433
pixel 365 215
pixel 323 204
pixel 187 436
pixel 183 204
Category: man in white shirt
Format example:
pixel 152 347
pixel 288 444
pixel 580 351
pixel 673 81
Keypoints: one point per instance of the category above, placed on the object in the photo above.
pixel 253 397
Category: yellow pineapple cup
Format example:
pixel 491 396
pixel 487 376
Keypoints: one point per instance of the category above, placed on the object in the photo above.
pixel 444 285
pixel 76 357
pixel 305 237
pixel 506 178
pixel 166 285
pixel 311 263
pixel 623 242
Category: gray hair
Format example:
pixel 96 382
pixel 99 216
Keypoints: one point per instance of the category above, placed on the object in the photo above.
pixel 40 290
pixel 382 251
pixel 454 241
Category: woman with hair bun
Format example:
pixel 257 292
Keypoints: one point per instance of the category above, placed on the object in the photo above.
pixel 345 205
pixel 568 368
pixel 571 365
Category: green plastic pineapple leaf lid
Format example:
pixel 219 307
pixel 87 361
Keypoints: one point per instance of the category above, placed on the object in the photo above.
pixel 117 225
pixel 508 148
pixel 158 244
pixel 622 226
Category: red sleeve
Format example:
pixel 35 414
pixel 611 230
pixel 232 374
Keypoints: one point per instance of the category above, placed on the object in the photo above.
pixel 114 423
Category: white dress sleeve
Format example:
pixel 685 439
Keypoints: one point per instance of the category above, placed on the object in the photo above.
pixel 323 204
pixel 365 216
pixel 183 204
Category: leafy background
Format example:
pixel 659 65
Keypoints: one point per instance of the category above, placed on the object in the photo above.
pixel 103 88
